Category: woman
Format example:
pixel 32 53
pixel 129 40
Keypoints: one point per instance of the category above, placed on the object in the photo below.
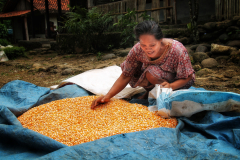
pixel 153 60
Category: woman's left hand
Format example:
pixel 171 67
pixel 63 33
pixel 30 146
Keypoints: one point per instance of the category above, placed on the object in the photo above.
pixel 165 85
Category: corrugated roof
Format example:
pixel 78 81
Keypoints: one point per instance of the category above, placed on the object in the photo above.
pixel 52 5
pixel 14 13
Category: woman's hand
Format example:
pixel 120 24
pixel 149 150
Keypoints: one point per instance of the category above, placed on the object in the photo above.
pixel 165 85
pixel 101 99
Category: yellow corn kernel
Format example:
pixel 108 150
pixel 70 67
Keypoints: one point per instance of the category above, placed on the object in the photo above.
pixel 71 121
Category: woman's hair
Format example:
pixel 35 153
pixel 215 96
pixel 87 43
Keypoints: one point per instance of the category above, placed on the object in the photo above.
pixel 148 27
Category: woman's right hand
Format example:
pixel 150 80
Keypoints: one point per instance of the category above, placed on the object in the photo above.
pixel 99 100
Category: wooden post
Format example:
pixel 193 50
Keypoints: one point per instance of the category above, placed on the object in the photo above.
pixel 47 19
pixel 26 28
pixel 59 13
pixel 32 19
pixel 175 11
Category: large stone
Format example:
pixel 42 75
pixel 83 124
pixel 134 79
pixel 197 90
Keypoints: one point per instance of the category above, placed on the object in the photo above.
pixel 230 73
pixel 236 18
pixel 235 43
pixel 194 47
pixel 204 72
pixel 209 63
pixel 232 29
pixel 3 56
pixel 197 67
pixel 215 48
pixel 190 52
pixel 202 48
pixel 184 40
pixel 108 56
pixel 67 71
pixel 222 59
pixel 223 38
pixel 224 24
pixel 200 56
pixel 46 46
pixel 209 26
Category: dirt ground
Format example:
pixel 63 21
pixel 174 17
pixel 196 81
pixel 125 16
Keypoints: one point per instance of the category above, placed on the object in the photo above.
pixel 50 69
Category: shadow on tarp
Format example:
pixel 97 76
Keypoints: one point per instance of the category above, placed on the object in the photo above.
pixel 216 136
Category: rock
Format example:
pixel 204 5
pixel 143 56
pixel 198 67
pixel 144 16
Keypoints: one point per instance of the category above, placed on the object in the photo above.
pixel 54 71
pixel 49 69
pixel 197 67
pixel 215 48
pixel 222 59
pixel 190 52
pixel 199 56
pixel 224 24
pixel 9 46
pixel 184 40
pixel 201 48
pixel 2 47
pixel 223 38
pixel 236 18
pixel 209 63
pixel 36 65
pixel 232 29
pixel 46 46
pixel 108 56
pixel 32 52
pixel 235 43
pixel 204 71
pixel 3 56
pixel 123 52
pixel 194 47
pixel 210 26
pixel 230 73
pixel 67 71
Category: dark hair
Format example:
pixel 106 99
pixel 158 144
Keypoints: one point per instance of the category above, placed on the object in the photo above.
pixel 148 27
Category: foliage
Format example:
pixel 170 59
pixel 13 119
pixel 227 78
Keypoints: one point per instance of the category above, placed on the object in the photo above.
pixel 15 52
pixel 99 56
pixel 89 27
pixel 3 31
pixel 4 42
pixel 126 24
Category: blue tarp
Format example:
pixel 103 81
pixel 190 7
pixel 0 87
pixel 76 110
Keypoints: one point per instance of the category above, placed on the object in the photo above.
pixel 215 136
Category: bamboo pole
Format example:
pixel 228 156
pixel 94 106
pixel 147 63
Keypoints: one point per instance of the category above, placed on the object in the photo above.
pixel 26 28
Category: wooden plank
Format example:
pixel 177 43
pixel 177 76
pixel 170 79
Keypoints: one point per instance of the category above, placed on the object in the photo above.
pixel 26 28
pixel 175 11
pixel 155 14
pixel 141 6
pixel 216 8
pixel 165 12
pixel 131 4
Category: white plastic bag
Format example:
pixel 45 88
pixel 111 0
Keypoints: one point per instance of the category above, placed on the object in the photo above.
pixel 100 81
pixel 187 102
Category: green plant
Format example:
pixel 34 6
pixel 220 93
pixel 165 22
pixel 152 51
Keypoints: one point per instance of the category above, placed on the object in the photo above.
pixel 89 27
pixel 4 42
pixel 125 25
pixel 3 31
pixel 15 52
pixel 99 56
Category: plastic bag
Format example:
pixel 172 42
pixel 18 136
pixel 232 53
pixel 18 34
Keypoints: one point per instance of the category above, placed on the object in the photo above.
pixel 100 81
pixel 187 102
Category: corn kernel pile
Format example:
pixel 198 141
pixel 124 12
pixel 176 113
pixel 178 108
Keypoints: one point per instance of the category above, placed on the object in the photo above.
pixel 71 121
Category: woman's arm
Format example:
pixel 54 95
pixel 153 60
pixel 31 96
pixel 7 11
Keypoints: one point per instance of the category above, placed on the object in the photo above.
pixel 176 84
pixel 117 87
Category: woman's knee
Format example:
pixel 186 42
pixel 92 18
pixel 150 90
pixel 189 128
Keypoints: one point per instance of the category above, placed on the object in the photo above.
pixel 152 79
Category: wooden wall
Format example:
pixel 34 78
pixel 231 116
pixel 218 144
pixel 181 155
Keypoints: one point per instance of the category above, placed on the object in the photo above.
pixel 226 9
pixel 120 7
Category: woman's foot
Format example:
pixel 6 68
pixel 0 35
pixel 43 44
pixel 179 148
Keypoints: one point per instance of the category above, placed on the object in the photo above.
pixel 144 96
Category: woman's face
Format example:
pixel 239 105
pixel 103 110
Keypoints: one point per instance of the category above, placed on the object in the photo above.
pixel 151 46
